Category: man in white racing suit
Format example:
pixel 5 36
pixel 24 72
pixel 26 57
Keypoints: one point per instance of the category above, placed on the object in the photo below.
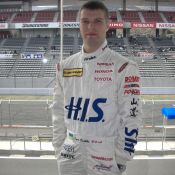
pixel 96 107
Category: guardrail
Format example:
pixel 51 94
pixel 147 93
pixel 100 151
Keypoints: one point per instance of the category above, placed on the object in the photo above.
pixel 29 122
pixel 49 91
pixel 38 112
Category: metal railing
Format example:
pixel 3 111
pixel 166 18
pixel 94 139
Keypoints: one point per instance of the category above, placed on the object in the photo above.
pixel 29 122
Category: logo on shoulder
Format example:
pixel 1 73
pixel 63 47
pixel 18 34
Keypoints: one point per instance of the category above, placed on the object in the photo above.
pixel 122 67
pixel 89 58
pixel 104 47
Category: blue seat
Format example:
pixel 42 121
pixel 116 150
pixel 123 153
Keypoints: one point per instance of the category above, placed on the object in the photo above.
pixel 169 112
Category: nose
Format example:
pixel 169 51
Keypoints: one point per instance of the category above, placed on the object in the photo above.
pixel 91 25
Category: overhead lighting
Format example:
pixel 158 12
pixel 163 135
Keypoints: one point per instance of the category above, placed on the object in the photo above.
pixel 45 60
pixel 43 7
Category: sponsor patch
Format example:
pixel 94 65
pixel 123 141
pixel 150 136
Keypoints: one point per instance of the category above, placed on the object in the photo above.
pixel 89 58
pixel 122 67
pixel 103 167
pixel 82 140
pixel 77 109
pixel 105 64
pixel 102 158
pixel 132 92
pixel 96 141
pixel 133 110
pixel 102 78
pixel 104 47
pixel 69 148
pixel 67 156
pixel 103 71
pixel 130 139
pixel 131 79
pixel 131 85
pixel 75 72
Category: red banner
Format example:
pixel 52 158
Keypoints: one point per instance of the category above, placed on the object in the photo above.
pixel 143 25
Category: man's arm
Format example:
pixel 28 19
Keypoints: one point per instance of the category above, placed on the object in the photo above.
pixel 129 105
pixel 59 129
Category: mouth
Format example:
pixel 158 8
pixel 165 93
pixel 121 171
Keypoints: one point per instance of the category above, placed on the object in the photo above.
pixel 91 34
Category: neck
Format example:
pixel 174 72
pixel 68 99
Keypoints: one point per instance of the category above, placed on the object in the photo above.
pixel 91 47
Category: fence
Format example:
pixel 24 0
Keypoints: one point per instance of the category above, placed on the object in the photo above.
pixel 29 122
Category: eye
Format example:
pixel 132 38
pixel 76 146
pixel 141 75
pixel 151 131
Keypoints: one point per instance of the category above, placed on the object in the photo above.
pixel 84 21
pixel 98 21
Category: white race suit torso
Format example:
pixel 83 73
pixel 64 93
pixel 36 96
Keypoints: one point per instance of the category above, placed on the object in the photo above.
pixel 96 112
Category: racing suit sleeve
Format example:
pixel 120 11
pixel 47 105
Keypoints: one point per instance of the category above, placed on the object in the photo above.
pixel 129 105
pixel 59 129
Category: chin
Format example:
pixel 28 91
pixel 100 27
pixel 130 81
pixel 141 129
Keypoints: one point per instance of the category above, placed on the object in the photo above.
pixel 92 42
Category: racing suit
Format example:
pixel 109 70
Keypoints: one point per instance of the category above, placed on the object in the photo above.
pixel 96 113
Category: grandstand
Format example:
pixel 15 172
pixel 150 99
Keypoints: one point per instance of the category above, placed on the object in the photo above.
pixel 49 42
pixel 140 48
pixel 27 37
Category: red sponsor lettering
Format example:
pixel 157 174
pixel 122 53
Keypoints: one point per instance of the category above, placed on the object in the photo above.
pixel 116 25
pixel 96 141
pixel 143 25
pixel 132 79
pixel 131 85
pixel 105 64
pixel 102 158
pixel 103 71
pixel 132 92
pixel 103 79
pixel 165 25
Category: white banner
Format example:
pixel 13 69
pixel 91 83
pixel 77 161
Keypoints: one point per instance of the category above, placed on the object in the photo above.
pixel 36 25
pixel 32 55
pixel 145 54
pixel 73 25
pixel 46 25
pixel 143 24
pixel 70 25
pixel 3 25
pixel 5 55
pixel 165 25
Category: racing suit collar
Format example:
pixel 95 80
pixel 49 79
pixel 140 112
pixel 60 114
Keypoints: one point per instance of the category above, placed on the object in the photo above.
pixel 94 55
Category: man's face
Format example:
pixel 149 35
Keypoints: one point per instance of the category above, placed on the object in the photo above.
pixel 93 27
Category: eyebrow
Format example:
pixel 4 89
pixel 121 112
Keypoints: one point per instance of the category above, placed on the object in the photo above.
pixel 94 19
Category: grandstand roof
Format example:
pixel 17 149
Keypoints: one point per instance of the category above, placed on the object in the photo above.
pixel 165 5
